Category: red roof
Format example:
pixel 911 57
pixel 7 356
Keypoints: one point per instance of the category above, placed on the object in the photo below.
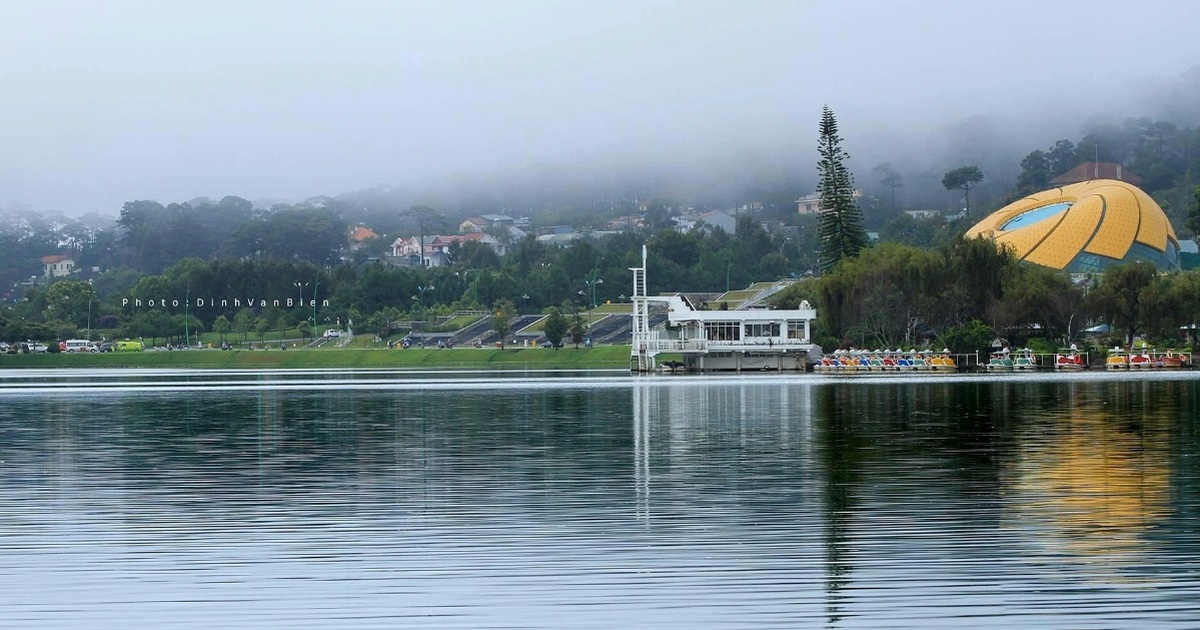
pixel 1096 170
pixel 362 233
pixel 57 258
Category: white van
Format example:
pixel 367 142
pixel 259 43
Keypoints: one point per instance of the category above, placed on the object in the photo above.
pixel 80 345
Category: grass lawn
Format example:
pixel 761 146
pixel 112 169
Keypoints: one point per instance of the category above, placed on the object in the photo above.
pixel 581 358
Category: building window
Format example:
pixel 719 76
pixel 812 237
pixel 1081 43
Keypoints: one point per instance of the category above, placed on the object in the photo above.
pixel 768 329
pixel 722 331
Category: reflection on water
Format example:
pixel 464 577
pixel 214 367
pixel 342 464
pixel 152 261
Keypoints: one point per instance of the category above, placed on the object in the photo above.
pixel 400 499
pixel 1093 474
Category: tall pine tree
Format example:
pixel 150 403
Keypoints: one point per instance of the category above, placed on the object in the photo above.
pixel 840 223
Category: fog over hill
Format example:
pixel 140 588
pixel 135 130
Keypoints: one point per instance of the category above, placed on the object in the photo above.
pixel 535 103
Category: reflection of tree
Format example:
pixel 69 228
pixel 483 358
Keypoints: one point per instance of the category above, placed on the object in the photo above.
pixel 840 445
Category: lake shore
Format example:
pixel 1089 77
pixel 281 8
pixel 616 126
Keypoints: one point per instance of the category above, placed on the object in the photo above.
pixel 606 357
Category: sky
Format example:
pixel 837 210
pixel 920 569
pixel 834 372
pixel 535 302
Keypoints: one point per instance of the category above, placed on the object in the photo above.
pixel 106 102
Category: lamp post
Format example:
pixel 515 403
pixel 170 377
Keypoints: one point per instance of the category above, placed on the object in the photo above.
pixel 465 275
pixel 423 290
pixel 316 281
pixel 187 297
pixel 591 284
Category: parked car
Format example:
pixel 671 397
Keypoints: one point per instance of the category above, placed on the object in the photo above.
pixel 78 345
pixel 106 346
pixel 333 332
pixel 129 346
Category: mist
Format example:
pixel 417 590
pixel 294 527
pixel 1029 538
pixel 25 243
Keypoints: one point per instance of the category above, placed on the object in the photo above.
pixel 513 102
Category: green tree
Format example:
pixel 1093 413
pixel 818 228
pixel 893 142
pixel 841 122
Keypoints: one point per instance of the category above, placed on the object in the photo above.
pixel 1193 220
pixel 555 327
pixel 1035 173
pixel 222 326
pixel 502 319
pixel 840 227
pixel 1061 158
pixel 963 178
pixel 890 179
pixel 971 337
pixel 305 329
pixel 261 326
pixel 1119 296
pixel 578 329
pixel 69 301
pixel 243 322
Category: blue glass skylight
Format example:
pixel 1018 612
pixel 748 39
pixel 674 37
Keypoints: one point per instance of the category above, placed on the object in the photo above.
pixel 1037 215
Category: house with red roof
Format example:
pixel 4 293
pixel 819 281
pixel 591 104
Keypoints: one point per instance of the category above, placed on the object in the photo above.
pixel 58 266
pixel 1096 170
pixel 359 237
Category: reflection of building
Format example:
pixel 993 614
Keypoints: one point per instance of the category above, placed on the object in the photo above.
pixel 1084 227
pixel 1094 487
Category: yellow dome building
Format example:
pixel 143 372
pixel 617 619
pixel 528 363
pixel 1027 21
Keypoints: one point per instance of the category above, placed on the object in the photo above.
pixel 1085 227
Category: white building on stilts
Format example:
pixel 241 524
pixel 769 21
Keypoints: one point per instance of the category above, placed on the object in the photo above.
pixel 711 340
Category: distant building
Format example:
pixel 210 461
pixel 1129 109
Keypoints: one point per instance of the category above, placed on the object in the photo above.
pixel 58 266
pixel 436 252
pixel 923 214
pixel 559 239
pixel 1096 170
pixel 811 204
pixel 359 237
pixel 625 223
pixel 485 221
pixel 1085 228
pixel 713 219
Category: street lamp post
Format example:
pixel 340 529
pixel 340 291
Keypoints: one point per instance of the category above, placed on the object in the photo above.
pixel 316 281
pixel 591 284
pixel 187 297
pixel 465 275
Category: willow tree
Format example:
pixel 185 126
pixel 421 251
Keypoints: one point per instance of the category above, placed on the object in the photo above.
pixel 840 223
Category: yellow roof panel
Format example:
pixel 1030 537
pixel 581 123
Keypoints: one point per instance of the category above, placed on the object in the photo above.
pixel 1120 223
pixel 1025 239
pixel 1153 231
pixel 1073 232
pixel 1149 207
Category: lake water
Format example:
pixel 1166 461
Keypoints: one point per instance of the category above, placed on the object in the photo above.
pixel 206 499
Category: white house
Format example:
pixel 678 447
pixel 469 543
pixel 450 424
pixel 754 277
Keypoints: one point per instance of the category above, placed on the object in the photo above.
pixel 436 252
pixel 58 266
pixel 712 219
